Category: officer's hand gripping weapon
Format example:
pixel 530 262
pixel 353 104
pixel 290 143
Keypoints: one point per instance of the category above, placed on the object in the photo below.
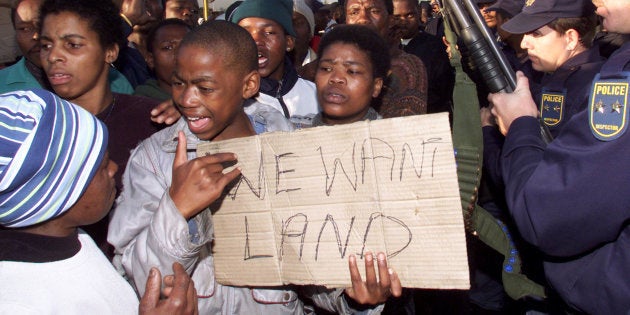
pixel 485 56
pixel 464 18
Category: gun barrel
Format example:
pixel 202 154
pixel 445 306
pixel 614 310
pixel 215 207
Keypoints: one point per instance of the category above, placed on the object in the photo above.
pixel 479 44
pixel 491 63
pixel 492 43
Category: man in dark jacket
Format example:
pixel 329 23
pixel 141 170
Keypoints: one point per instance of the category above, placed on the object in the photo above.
pixel 430 49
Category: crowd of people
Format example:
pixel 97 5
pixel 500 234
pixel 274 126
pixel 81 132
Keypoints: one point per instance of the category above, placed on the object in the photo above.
pixel 105 208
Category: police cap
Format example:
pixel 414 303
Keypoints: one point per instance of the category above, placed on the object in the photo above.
pixel 538 13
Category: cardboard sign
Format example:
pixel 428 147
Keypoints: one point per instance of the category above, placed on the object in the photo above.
pixel 309 199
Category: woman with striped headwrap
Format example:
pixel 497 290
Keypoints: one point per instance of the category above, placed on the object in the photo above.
pixel 56 175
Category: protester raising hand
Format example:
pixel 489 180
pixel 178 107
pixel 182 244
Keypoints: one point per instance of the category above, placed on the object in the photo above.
pixel 198 182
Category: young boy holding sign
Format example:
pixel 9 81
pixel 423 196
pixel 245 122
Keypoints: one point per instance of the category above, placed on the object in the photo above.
pixel 162 214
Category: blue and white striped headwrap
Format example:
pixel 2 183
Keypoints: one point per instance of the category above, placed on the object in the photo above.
pixel 49 152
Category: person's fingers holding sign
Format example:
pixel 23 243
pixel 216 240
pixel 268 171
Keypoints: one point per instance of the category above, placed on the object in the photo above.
pixel 373 291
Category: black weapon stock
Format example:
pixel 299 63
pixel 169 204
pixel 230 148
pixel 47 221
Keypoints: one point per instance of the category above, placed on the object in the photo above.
pixel 485 56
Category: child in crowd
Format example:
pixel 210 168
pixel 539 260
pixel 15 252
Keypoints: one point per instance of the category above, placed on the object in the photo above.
pixel 185 10
pixel 270 24
pixel 163 216
pixel 80 39
pixel 162 44
pixel 56 175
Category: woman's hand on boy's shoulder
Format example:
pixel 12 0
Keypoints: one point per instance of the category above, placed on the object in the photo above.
pixel 165 113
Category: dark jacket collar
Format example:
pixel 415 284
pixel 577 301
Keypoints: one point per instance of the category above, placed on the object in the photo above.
pixel 280 88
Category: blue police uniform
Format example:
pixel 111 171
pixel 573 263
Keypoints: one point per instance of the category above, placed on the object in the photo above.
pixel 559 96
pixel 565 92
pixel 569 199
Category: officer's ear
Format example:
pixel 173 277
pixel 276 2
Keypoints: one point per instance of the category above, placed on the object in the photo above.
pixel 572 39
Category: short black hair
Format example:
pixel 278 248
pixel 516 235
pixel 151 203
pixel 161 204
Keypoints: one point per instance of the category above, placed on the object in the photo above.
pixel 586 26
pixel 163 23
pixel 102 17
pixel 414 4
pixel 228 39
pixel 14 13
pixel 366 40
pixel 389 6
pixel 424 5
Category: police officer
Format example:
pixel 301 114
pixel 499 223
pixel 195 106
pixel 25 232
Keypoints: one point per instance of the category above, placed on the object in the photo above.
pixel 568 199
pixel 558 37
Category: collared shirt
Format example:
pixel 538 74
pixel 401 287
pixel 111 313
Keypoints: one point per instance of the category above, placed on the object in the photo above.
pixel 17 77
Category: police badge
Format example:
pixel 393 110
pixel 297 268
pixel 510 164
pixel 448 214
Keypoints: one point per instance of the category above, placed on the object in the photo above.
pixel 608 114
pixel 552 107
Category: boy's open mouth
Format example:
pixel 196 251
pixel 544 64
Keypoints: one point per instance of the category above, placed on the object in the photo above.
pixel 197 123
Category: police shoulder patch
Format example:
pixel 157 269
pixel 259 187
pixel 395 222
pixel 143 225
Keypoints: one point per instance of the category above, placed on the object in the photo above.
pixel 608 113
pixel 552 107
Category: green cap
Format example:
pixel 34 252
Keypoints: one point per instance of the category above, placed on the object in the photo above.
pixel 279 11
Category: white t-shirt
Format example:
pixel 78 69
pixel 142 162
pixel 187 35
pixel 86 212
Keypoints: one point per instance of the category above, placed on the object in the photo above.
pixel 86 283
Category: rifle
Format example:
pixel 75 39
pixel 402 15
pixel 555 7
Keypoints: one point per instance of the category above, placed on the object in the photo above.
pixel 464 18
pixel 486 57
